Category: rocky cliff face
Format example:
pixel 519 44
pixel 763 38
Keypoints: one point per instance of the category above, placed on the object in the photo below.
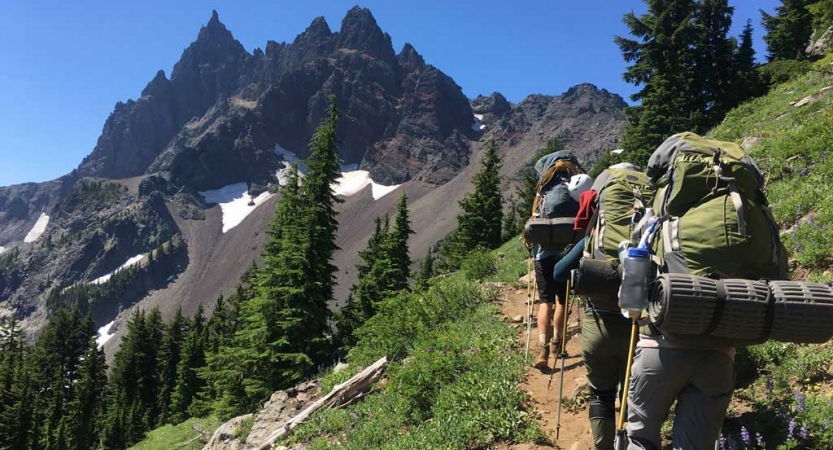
pixel 223 119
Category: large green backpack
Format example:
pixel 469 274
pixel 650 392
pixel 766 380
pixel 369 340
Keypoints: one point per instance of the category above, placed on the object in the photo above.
pixel 716 222
pixel 621 191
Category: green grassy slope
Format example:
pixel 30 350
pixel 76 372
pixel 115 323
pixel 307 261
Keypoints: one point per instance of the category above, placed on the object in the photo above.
pixel 176 436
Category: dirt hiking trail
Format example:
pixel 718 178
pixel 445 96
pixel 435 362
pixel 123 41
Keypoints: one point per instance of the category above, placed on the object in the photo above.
pixel 575 426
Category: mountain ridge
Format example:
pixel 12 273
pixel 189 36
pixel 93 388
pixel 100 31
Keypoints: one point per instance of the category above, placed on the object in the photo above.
pixel 227 116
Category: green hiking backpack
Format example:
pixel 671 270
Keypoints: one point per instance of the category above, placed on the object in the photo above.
pixel 621 191
pixel 715 219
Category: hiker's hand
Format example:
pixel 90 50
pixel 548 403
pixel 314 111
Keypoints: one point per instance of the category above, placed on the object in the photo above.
pixel 631 314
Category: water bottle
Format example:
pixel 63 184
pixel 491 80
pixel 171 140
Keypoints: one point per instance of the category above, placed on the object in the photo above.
pixel 633 295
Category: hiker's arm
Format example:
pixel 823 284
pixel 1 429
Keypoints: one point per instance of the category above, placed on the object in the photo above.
pixel 570 261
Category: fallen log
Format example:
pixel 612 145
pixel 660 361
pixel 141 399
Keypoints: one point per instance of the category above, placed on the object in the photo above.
pixel 343 393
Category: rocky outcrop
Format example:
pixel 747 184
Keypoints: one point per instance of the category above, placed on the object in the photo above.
pixel 821 43
pixel 282 406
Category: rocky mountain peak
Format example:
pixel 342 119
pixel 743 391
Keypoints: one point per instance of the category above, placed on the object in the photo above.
pixel 359 31
pixel 409 59
pixel 494 104
pixel 319 28
pixel 590 91
pixel 214 45
pixel 158 86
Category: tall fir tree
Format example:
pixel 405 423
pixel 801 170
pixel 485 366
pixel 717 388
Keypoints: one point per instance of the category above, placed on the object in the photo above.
pixel 661 63
pixel 134 385
pixel 482 218
pixel 788 31
pixel 747 80
pixel 16 392
pixel 323 169
pixel 711 88
pixel 169 358
pixel 426 271
pixel 188 382
pixel 55 369
pixel 513 220
pixel 84 422
pixel 399 253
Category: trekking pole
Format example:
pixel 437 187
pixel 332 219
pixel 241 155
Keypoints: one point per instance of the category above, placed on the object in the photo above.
pixel 563 357
pixel 528 305
pixel 621 442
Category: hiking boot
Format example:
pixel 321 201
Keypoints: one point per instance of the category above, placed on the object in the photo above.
pixel 555 348
pixel 542 359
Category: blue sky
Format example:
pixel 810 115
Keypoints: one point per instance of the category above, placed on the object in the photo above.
pixel 66 64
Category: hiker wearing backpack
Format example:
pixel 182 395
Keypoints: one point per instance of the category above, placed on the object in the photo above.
pixel 552 200
pixel 608 214
pixel 713 222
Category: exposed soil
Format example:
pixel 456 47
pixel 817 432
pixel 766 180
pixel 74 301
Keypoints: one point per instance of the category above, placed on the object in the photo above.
pixel 575 426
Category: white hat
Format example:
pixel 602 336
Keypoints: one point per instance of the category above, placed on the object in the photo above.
pixel 578 185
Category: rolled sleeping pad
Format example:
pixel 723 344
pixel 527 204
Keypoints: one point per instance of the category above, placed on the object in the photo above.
pixel 556 232
pixel 598 280
pixel 803 312
pixel 735 312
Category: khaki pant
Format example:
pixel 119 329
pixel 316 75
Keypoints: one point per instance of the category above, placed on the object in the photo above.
pixel 701 381
pixel 604 348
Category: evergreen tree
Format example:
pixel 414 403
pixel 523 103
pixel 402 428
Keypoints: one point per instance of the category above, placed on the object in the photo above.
pixel 323 169
pixel 16 393
pixel 426 271
pixel 513 221
pixel 54 369
pixel 151 382
pixel 169 358
pixel 399 253
pixel 188 383
pixel 83 424
pixel 480 223
pixel 134 384
pixel 788 31
pixel 713 64
pixel 747 80
pixel 661 63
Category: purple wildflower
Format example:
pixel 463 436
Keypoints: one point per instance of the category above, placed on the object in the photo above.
pixel 810 218
pixel 724 444
pixel 744 436
pixel 770 384
pixel 791 429
pixel 804 433
pixel 760 440
pixel 800 405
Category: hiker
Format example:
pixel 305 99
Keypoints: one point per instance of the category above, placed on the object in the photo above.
pixel 552 200
pixel 704 182
pixel 605 331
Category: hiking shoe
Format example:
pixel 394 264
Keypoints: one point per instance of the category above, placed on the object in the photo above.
pixel 555 348
pixel 542 358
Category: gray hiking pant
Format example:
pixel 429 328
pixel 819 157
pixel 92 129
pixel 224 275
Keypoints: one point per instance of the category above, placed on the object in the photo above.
pixel 700 380
pixel 604 348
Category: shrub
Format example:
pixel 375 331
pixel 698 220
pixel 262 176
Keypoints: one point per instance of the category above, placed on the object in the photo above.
pixel 479 264
pixel 781 71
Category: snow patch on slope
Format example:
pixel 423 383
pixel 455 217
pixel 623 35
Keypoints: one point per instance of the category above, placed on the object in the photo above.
pixel 478 123
pixel 2 249
pixel 104 334
pixel 38 229
pixel 130 262
pixel 353 182
pixel 289 159
pixel 234 202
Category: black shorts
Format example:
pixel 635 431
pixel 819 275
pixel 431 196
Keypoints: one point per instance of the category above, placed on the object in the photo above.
pixel 547 286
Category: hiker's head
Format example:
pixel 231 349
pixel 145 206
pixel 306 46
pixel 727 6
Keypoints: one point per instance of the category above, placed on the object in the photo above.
pixel 578 185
